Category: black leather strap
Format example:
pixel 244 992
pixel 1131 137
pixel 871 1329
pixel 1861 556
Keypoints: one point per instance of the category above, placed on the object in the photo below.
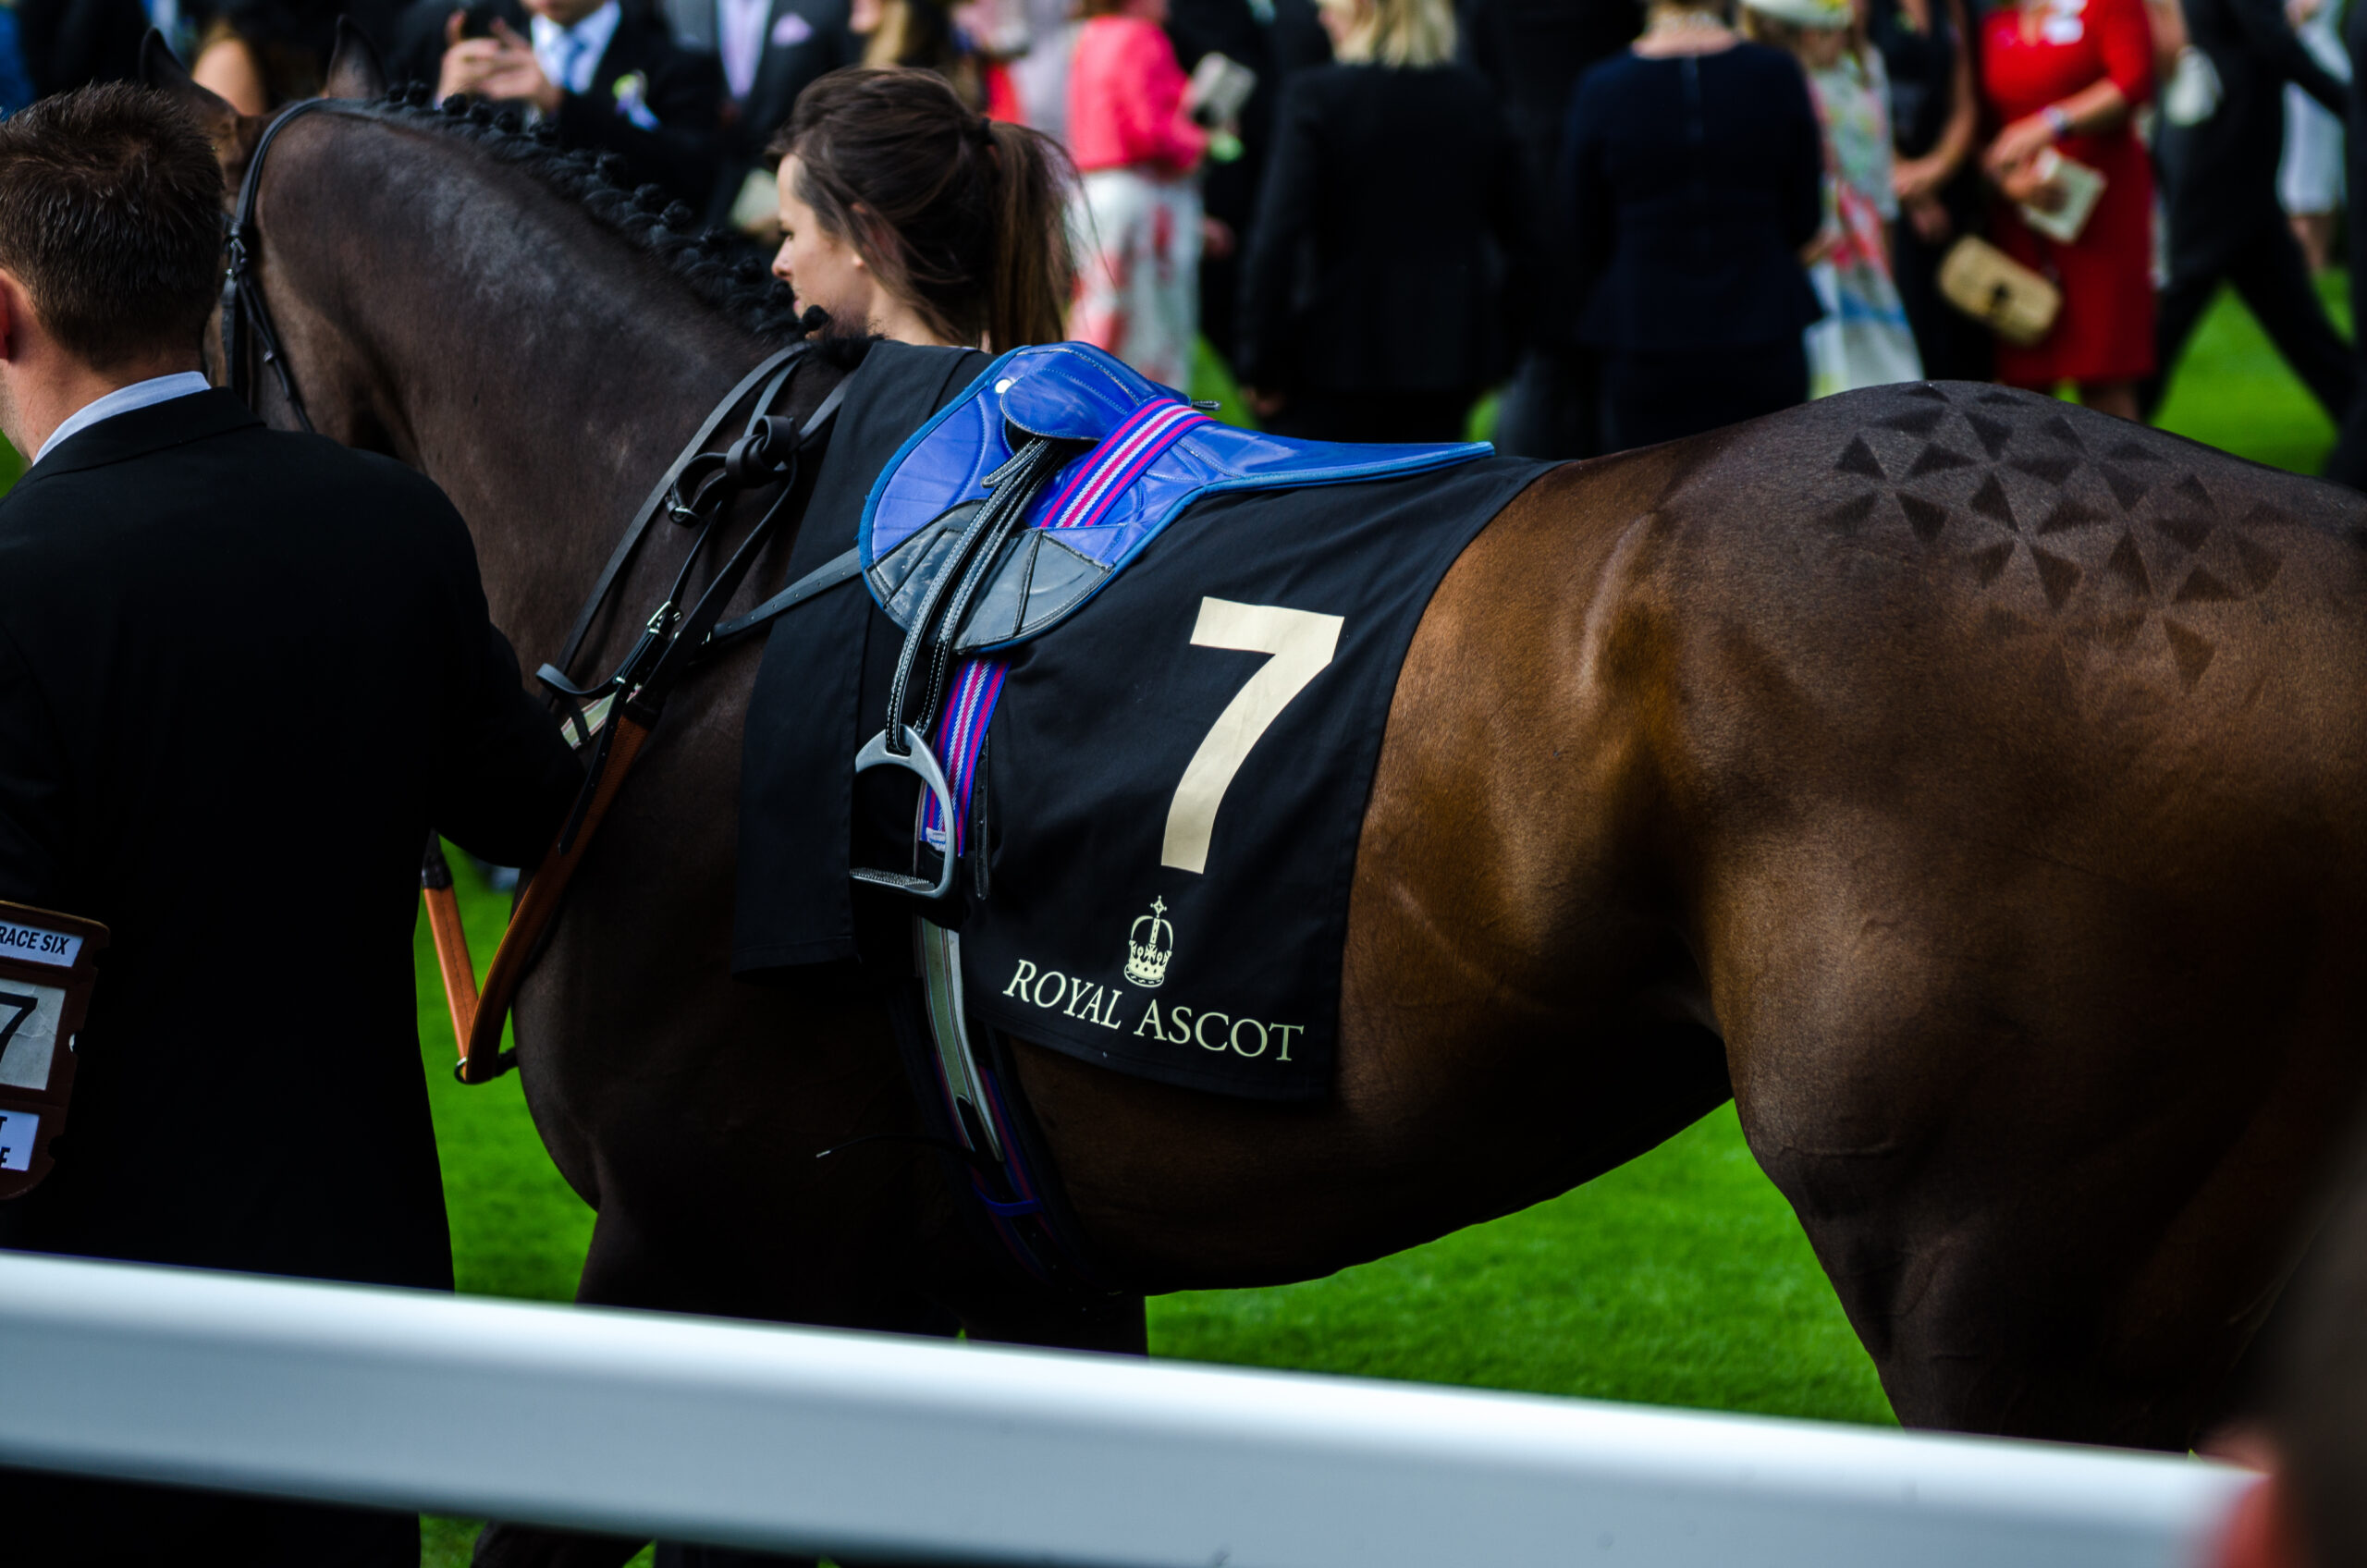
pixel 242 308
pixel 829 574
pixel 782 361
pixel 826 576
pixel 1011 489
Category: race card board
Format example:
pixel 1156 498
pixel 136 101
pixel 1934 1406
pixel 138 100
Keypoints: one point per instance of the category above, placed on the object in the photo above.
pixel 47 964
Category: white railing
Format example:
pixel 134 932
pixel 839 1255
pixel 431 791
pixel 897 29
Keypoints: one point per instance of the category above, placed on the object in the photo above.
pixel 867 1444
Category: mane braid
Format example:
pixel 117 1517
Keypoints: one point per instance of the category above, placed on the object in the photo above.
pixel 736 285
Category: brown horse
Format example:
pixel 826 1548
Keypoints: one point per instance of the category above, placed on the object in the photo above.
pixel 1972 786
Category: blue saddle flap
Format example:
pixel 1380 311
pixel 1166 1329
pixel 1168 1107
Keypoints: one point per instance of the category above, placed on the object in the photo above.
pixel 1143 454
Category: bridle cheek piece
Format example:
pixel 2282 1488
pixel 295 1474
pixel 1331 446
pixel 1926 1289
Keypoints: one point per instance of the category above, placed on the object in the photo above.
pixel 242 308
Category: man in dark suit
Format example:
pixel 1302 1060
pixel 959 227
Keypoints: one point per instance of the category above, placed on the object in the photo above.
pixel 213 635
pixel 769 50
pixel 70 43
pixel 1533 51
pixel 609 76
pixel 2219 178
pixel 1356 326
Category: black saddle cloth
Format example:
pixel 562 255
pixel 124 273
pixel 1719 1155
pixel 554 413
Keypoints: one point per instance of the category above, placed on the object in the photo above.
pixel 825 673
pixel 1186 930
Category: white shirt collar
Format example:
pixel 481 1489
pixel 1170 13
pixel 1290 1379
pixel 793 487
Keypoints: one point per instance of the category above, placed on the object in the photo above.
pixel 740 38
pixel 571 56
pixel 122 400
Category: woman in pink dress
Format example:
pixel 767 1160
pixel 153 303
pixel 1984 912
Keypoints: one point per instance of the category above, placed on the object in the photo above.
pixel 1139 209
pixel 2063 76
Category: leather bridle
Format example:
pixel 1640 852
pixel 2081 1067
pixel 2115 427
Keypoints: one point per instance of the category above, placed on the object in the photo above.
pixel 696 491
pixel 243 306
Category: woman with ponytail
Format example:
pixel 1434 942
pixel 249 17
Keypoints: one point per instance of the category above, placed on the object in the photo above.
pixel 905 213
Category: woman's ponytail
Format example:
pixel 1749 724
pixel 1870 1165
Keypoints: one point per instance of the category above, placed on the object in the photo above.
pixel 1032 272
pixel 963 217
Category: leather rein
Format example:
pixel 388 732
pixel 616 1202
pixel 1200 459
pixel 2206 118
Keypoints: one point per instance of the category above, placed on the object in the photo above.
pixel 695 492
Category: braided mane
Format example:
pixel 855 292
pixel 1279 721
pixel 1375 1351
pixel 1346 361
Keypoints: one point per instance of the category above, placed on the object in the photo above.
pixel 737 285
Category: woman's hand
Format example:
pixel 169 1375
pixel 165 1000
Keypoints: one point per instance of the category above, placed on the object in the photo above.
pixel 1930 219
pixel 1919 180
pixel 502 67
pixel 2018 144
pixel 2023 183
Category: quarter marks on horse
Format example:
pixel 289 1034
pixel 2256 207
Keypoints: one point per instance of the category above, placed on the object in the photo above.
pixel 2127 537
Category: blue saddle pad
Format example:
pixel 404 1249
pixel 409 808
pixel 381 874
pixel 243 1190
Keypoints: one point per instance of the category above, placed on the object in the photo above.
pixel 1143 454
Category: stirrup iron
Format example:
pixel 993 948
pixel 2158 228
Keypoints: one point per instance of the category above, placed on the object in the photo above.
pixel 918 759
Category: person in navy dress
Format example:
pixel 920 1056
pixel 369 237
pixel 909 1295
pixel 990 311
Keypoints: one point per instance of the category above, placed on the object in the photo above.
pixel 1692 177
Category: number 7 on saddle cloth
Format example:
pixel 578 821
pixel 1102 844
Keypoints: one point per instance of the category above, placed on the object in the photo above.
pixel 1146 455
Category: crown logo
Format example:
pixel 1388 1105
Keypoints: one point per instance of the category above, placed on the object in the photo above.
pixel 1150 942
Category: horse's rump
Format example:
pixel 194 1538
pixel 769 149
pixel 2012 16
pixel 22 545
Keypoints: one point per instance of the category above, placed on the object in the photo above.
pixel 1973 585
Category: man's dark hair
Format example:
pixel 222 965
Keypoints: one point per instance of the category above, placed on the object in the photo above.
pixel 111 216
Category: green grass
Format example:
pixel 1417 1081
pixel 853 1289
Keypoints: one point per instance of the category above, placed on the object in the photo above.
pixel 2232 390
pixel 1681 1279
pixel 517 1228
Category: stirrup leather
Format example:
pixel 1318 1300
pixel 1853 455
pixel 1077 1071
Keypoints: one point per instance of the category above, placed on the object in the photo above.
pixel 944 606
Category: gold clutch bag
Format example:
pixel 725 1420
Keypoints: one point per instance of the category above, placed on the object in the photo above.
pixel 1998 291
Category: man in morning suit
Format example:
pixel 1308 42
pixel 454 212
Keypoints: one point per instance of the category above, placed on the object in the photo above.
pixel 215 635
pixel 1533 51
pixel 609 76
pixel 769 50
pixel 2219 183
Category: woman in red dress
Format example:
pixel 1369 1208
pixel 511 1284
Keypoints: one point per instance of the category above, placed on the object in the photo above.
pixel 2065 75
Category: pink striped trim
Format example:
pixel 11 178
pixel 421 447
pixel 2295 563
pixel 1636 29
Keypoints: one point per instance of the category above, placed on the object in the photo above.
pixel 1123 461
pixel 962 731
pixel 1092 465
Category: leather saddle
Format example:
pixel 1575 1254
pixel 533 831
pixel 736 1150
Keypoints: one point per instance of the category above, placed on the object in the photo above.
pixel 1133 455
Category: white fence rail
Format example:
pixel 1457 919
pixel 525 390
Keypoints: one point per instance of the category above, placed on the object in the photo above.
pixel 705 1430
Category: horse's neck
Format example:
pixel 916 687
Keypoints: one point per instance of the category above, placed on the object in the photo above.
pixel 530 362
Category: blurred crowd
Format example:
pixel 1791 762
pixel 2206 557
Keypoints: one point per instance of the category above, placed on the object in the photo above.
pixel 1636 221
